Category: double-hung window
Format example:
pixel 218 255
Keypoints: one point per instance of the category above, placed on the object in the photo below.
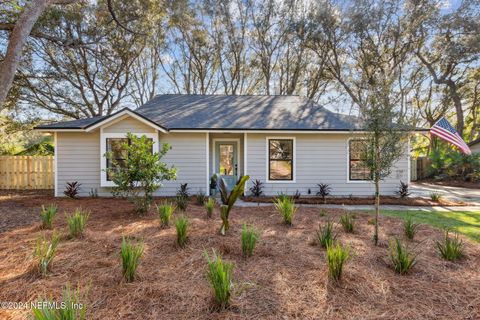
pixel 357 170
pixel 280 159
pixel 113 144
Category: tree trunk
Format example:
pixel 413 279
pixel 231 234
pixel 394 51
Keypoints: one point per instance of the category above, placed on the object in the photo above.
pixel 377 209
pixel 17 40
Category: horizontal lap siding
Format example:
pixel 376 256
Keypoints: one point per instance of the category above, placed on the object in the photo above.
pixel 79 160
pixel 320 158
pixel 129 125
pixel 189 155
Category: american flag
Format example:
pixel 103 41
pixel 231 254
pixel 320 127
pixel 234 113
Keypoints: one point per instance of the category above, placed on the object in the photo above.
pixel 444 130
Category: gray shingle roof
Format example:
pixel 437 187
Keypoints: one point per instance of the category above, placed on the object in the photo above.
pixel 240 112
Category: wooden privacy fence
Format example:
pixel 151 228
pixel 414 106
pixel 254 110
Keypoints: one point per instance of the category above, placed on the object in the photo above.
pixel 26 172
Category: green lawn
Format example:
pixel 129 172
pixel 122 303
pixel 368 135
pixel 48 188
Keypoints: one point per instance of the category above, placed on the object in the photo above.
pixel 465 222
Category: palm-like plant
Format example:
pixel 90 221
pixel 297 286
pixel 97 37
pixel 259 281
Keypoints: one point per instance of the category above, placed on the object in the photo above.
pixel 229 199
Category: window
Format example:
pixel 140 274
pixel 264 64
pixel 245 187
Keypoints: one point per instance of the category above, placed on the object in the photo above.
pixel 113 143
pixel 280 159
pixel 119 155
pixel 358 171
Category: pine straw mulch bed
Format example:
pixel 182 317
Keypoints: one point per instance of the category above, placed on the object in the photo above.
pixel 388 200
pixel 285 279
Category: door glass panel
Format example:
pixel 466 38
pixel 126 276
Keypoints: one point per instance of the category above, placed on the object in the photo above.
pixel 226 159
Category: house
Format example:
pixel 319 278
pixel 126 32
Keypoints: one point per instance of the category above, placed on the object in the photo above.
pixel 475 145
pixel 289 143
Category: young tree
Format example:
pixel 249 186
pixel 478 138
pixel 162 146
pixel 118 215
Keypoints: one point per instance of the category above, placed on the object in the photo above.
pixel 141 173
pixel 385 139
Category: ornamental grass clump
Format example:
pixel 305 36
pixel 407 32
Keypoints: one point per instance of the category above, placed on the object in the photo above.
pixel 209 206
pixel 286 207
pixel 131 254
pixel 76 223
pixel 44 251
pixel 347 221
pixel 250 237
pixel 181 225
pixel 73 307
pixel 47 215
pixel 165 212
pixel 219 273
pixel 325 235
pixel 451 248
pixel 337 256
pixel 401 257
pixel 409 228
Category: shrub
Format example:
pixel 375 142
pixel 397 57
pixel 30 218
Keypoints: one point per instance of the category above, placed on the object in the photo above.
pixel 403 191
pixel 213 182
pixel 297 195
pixel 347 221
pixel 181 225
pixel 256 188
pixel 337 256
pixel 181 202
pixel 401 257
pixel 324 191
pixel 200 197
pixel 74 303
pixel 131 254
pixel 45 251
pixel 249 239
pixel 409 228
pixel 286 208
pixel 140 174
pixel 435 196
pixel 165 212
pixel 183 191
pixel 219 273
pixel 47 215
pixel 450 249
pixel 229 199
pixel 77 222
pixel 72 189
pixel 325 235
pixel 209 206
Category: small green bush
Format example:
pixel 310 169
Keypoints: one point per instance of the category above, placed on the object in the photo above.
pixel 401 257
pixel 181 225
pixel 77 222
pixel 435 196
pixel 219 273
pixel 201 198
pixel 45 251
pixel 250 237
pixel 131 254
pixel 337 256
pixel 325 235
pixel 409 228
pixel 347 221
pixel 450 249
pixel 209 206
pixel 165 212
pixel 286 207
pixel 47 215
pixel 74 303
pixel 181 202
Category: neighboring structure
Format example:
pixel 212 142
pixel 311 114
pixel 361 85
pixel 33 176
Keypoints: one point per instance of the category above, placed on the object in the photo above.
pixel 287 142
pixel 475 145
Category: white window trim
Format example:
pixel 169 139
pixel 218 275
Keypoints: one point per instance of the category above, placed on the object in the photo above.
pixel 239 161
pixel 294 169
pixel 103 149
pixel 348 163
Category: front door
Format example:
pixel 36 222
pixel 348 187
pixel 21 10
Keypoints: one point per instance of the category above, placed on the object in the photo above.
pixel 226 162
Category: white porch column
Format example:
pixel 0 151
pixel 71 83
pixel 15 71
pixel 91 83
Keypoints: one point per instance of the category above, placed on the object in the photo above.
pixel 245 163
pixel 207 143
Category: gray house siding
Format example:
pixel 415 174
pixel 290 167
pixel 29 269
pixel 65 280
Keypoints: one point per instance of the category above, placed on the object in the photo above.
pixel 319 158
pixel 78 159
